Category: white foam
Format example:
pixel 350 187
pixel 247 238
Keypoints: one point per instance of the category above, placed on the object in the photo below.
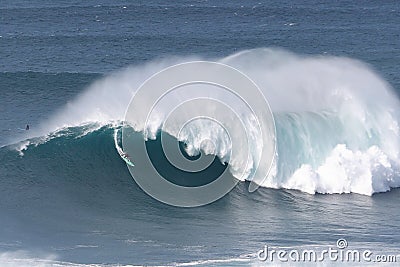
pixel 26 259
pixel 346 171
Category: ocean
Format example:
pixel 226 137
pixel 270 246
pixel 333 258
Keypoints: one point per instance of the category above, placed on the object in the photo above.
pixel 329 71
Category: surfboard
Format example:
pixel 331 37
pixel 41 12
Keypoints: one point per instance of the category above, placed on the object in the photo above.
pixel 121 153
pixel 126 159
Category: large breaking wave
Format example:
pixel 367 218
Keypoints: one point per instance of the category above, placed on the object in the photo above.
pixel 337 121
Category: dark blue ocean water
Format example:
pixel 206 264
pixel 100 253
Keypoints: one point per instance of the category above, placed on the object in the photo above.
pixel 74 199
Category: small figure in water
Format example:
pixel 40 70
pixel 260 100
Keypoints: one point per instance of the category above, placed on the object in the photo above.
pixel 27 127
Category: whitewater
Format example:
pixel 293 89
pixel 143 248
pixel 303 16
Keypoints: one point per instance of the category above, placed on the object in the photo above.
pixel 336 119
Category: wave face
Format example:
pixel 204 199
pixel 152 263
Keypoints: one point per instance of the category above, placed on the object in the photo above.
pixel 337 121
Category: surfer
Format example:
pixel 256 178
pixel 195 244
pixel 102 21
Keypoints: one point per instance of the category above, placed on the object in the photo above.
pixel 27 127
